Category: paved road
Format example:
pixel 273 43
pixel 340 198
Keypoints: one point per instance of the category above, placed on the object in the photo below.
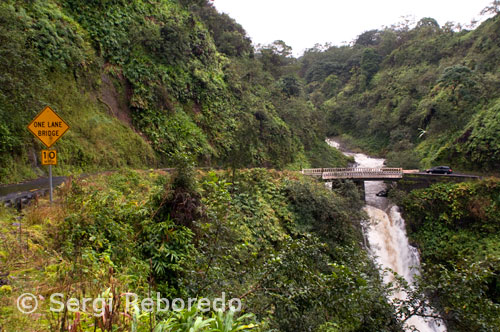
pixel 40 186
pixel 12 192
pixel 457 175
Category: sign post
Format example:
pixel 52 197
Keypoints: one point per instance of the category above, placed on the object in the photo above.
pixel 50 183
pixel 48 127
pixel 49 157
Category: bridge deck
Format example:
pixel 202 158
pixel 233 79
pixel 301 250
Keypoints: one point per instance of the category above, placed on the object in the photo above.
pixel 355 173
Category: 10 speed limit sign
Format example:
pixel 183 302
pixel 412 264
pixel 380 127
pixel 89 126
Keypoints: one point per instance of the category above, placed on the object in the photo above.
pixel 49 157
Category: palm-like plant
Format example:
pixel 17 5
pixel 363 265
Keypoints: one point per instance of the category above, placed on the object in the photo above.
pixel 192 320
pixel 185 321
pixel 225 322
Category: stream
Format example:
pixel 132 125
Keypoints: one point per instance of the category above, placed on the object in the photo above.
pixel 386 235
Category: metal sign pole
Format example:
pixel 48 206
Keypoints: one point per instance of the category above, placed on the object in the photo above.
pixel 48 119
pixel 50 182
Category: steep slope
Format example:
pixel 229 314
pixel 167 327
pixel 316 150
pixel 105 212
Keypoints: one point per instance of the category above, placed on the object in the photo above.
pixel 421 96
pixel 286 246
pixel 46 59
pixel 456 229
pixel 140 82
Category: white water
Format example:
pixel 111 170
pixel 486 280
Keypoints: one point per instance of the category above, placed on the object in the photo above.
pixel 386 235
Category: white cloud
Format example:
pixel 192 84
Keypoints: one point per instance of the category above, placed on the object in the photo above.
pixel 302 24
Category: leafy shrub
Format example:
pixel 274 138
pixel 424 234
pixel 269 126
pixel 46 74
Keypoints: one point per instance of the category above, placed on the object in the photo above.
pixel 456 229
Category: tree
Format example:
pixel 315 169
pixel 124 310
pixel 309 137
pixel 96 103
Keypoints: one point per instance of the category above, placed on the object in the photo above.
pixel 493 8
pixel 428 25
pixel 368 38
pixel 428 22
pixel 290 85
pixel 230 38
pixel 459 78
pixel 282 48
pixel 274 56
pixel 370 61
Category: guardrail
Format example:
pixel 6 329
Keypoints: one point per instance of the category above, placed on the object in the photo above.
pixel 355 173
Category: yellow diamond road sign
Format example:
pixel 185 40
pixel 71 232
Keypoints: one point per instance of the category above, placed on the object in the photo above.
pixel 48 127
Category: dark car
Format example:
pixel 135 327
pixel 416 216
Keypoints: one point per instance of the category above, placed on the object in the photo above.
pixel 440 170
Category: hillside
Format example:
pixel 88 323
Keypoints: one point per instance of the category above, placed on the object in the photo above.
pixel 421 95
pixel 141 83
pixel 148 84
pixel 456 229
pixel 289 248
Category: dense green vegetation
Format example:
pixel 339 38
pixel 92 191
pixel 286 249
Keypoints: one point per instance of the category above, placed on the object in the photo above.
pixel 456 227
pixel 141 81
pixel 146 84
pixel 421 95
pixel 286 246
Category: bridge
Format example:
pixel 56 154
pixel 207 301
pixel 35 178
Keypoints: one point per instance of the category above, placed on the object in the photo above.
pixel 383 173
pixel 356 173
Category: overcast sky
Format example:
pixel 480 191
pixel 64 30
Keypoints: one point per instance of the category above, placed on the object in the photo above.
pixel 303 23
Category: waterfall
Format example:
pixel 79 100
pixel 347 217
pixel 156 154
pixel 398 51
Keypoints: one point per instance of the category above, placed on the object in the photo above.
pixel 386 235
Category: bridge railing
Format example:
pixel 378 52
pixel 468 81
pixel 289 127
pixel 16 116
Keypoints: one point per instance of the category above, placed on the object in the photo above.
pixel 355 173
pixel 313 171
